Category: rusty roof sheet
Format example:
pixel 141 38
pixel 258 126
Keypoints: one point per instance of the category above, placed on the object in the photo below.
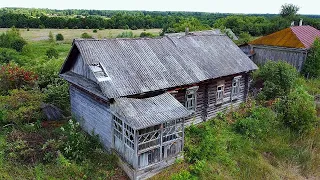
pixel 293 37
pixel 142 113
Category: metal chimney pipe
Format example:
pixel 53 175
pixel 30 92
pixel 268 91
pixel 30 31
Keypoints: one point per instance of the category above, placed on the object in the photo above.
pixel 300 22
pixel 187 31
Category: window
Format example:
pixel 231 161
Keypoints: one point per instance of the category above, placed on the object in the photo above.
pixel 220 92
pixel 99 72
pixel 191 98
pixel 117 127
pixel 235 87
pixel 128 136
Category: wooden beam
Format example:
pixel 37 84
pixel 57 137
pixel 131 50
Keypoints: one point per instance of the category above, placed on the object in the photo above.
pixel 135 161
pixel 161 131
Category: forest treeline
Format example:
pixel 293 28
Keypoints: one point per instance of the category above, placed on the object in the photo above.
pixel 255 25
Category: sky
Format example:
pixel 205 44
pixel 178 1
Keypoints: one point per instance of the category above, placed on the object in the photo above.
pixel 222 6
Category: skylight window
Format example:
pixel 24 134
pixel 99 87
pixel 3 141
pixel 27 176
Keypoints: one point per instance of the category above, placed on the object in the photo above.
pixel 99 72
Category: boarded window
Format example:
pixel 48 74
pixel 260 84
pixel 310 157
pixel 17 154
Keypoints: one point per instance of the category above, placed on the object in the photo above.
pixel 235 88
pixel 191 98
pixel 99 72
pixel 220 92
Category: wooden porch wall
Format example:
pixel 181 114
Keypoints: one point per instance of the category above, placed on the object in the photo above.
pixel 93 115
pixel 293 57
pixel 206 98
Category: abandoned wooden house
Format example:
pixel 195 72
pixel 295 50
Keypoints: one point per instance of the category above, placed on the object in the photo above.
pixel 139 94
pixel 290 45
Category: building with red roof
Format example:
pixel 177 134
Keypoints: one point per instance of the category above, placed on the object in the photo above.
pixel 290 45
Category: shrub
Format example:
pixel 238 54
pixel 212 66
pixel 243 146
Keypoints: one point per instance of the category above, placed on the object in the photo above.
pixel 21 106
pixel 48 73
pixel 95 31
pixel 146 34
pixel 58 95
pixel 125 34
pixel 15 77
pixel 59 37
pixel 278 79
pixel 52 53
pixel 183 175
pixel 12 39
pixel 77 146
pixel 257 124
pixel 311 68
pixel 298 111
pixel 86 36
pixel 7 55
pixel 133 27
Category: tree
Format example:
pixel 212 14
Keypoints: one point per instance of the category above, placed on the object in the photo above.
pixel 311 68
pixel 289 10
pixel 12 39
pixel 51 39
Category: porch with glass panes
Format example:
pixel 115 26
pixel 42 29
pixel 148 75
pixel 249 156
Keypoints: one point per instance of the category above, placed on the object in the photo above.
pixel 145 147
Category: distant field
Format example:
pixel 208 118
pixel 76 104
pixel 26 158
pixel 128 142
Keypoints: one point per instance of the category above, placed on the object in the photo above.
pixel 70 34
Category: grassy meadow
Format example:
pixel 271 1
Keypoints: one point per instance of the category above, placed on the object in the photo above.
pixel 70 34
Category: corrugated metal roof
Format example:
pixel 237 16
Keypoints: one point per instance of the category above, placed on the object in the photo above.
pixel 142 65
pixel 293 37
pixel 142 113
pixel 306 34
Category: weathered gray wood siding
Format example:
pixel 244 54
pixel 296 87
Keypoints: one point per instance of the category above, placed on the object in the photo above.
pixel 294 57
pixel 93 115
pixel 207 107
pixel 81 68
pixel 214 108
pixel 197 116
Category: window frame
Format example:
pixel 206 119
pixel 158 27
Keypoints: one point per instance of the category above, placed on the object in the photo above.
pixel 235 90
pixel 220 93
pixel 191 91
pixel 96 69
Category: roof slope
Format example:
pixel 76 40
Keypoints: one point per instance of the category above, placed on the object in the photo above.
pixel 293 37
pixel 142 65
pixel 142 113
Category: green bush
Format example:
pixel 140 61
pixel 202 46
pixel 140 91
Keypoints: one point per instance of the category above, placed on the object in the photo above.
pixel 257 124
pixel 7 55
pixel 183 175
pixel 12 39
pixel 77 146
pixel 311 68
pixel 278 79
pixel 146 34
pixel 298 111
pixel 59 37
pixel 95 31
pixel 86 36
pixel 21 106
pixel 133 27
pixel 48 73
pixel 52 53
pixel 125 34
pixel 58 95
